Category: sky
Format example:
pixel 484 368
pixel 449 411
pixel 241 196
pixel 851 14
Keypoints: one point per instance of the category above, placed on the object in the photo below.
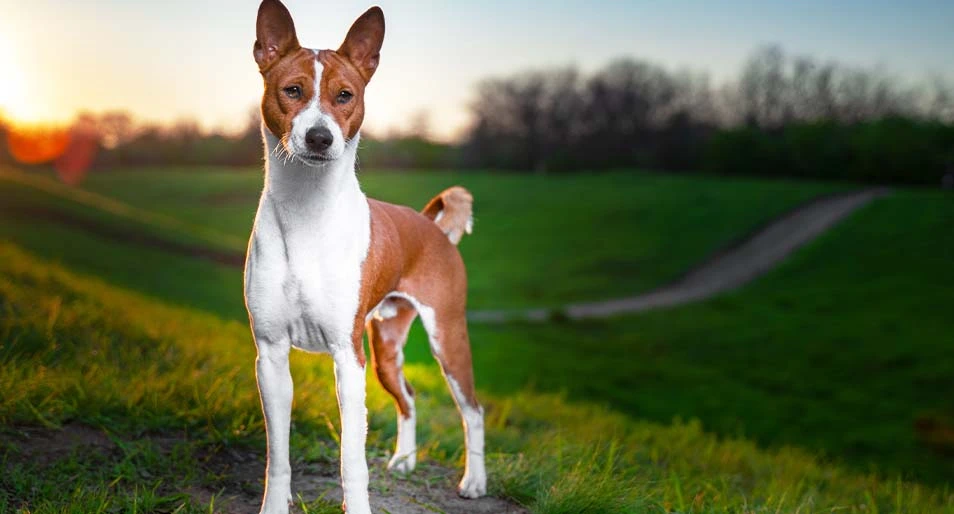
pixel 176 59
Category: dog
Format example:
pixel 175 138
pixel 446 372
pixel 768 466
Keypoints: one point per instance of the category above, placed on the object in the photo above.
pixel 325 263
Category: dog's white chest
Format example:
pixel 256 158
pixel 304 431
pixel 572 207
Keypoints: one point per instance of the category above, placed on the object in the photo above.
pixel 303 273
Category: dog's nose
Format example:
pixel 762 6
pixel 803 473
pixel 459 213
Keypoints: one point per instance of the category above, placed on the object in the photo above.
pixel 318 139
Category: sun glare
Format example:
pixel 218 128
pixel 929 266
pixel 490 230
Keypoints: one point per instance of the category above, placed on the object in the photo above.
pixel 15 103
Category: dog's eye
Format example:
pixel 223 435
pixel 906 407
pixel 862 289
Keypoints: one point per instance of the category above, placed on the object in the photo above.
pixel 293 92
pixel 344 96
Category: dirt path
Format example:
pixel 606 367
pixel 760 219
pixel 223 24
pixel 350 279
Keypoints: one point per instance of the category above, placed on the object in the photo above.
pixel 429 489
pixel 752 257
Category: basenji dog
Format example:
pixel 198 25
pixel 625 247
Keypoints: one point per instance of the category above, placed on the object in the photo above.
pixel 325 263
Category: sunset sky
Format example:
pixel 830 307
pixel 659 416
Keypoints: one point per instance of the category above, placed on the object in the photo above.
pixel 177 59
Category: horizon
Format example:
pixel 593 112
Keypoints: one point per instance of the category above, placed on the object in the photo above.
pixel 433 56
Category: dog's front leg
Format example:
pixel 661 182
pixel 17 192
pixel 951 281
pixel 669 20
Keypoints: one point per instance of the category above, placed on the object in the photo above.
pixel 350 377
pixel 275 387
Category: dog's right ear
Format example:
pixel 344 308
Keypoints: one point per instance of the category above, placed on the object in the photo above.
pixel 275 34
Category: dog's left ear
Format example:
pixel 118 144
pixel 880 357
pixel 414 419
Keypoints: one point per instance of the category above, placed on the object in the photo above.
pixel 362 45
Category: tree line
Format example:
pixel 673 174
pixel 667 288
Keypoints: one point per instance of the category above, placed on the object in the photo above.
pixel 782 115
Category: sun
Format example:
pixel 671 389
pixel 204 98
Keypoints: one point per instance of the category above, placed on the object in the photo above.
pixel 15 103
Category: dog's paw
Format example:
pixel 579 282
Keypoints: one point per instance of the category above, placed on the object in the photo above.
pixel 274 504
pixel 403 463
pixel 361 506
pixel 472 486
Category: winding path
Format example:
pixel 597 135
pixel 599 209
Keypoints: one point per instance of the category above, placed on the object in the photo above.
pixel 730 269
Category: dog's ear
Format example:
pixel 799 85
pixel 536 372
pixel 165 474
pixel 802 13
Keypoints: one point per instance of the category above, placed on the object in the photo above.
pixel 275 34
pixel 362 45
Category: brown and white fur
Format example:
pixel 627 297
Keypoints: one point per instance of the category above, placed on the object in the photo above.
pixel 325 263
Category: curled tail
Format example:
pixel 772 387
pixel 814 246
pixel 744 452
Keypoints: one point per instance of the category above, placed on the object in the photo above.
pixel 452 211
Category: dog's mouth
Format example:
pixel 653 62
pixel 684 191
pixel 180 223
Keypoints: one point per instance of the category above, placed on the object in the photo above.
pixel 314 158
pixel 296 152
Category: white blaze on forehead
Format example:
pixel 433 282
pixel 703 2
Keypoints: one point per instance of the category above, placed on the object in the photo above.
pixel 319 71
pixel 312 116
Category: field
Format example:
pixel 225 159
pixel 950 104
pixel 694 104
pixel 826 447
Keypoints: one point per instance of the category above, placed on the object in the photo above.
pixel 824 386
pixel 635 240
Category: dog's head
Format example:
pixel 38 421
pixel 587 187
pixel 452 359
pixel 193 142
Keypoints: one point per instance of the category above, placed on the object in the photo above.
pixel 314 99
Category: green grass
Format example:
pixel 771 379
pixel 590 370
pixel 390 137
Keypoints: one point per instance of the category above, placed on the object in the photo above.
pixel 643 231
pixel 38 195
pixel 603 235
pixel 177 280
pixel 79 351
pixel 824 386
pixel 844 350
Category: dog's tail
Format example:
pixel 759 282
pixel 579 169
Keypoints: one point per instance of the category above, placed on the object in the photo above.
pixel 453 212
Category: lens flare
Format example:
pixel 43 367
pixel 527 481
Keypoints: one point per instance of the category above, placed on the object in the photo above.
pixel 34 145
pixel 78 156
pixel 71 151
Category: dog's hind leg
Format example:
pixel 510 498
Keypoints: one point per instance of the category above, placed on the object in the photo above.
pixel 387 333
pixel 450 344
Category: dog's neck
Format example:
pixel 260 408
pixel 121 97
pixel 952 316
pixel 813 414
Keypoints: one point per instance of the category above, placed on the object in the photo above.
pixel 308 190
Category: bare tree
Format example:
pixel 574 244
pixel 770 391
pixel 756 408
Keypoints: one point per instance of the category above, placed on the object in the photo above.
pixel 622 115
pixel 765 89
pixel 940 104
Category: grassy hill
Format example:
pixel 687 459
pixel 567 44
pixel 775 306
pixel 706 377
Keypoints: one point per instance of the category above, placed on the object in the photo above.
pixel 173 391
pixel 602 235
pixel 822 387
pixel 844 350
pixel 640 231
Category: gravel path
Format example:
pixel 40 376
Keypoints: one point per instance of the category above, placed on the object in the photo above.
pixel 730 269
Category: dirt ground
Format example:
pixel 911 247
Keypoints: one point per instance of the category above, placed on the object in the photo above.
pixel 429 489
